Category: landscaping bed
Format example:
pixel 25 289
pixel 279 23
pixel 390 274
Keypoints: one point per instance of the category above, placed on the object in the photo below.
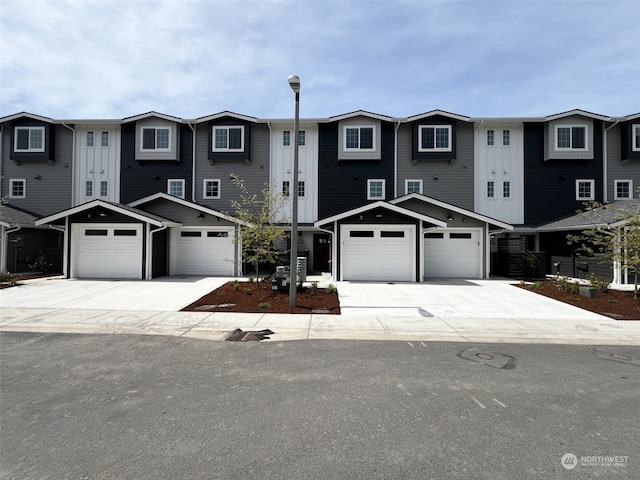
pixel 252 297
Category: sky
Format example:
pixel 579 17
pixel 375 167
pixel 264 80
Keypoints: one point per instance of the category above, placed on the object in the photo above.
pixel 95 59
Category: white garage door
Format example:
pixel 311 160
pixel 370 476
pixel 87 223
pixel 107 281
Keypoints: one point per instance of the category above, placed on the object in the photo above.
pixel 378 253
pixel 204 251
pixel 107 251
pixel 452 254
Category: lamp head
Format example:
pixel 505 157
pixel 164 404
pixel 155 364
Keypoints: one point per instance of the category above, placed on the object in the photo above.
pixel 294 83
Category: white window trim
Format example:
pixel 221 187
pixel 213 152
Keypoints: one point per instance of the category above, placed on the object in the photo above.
pixel 108 137
pixel 506 135
pixel 15 139
pixel 104 182
pixel 24 187
pixel 406 185
pixel 286 138
pixel 359 127
pixel 572 149
pixel 492 184
pixel 434 149
pixel 227 149
pixel 504 187
pixel 615 189
pixel 176 180
pixel 156 128
pixel 204 189
pixel 372 180
pixel 634 127
pixel 593 189
pixel 90 134
pixel 487 139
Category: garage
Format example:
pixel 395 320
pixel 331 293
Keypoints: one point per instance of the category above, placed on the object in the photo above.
pixel 107 251
pixel 204 251
pixel 378 253
pixel 453 253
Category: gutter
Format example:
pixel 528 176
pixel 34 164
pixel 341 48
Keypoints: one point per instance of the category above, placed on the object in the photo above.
pixel 73 163
pixel 193 163
pixel 605 161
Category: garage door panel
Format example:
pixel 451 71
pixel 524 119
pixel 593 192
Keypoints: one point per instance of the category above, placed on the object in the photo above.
pixel 112 251
pixel 205 252
pixel 452 254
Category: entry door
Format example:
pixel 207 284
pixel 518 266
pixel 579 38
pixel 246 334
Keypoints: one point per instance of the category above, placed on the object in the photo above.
pixel 322 252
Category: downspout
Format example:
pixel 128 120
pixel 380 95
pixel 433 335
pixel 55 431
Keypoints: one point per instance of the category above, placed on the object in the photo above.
pixel 395 161
pixel 149 273
pixel 5 246
pixel 605 161
pixel 64 246
pixel 193 163
pixel 73 163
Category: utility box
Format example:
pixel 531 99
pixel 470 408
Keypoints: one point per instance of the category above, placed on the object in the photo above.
pixel 301 265
pixel 280 279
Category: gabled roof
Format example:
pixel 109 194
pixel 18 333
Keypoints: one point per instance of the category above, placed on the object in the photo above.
pixel 451 208
pixel 577 111
pixel 633 116
pixel 115 207
pixel 226 113
pixel 611 215
pixel 360 113
pixel 12 216
pixel 385 205
pixel 152 114
pixel 434 113
pixel 16 116
pixel 186 203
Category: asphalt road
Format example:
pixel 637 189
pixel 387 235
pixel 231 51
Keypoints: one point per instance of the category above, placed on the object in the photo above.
pixel 145 407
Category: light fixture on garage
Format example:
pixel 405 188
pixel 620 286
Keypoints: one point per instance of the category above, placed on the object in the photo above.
pixel 361 218
pixel 102 213
pixel 378 215
pixel 200 215
pixel 449 217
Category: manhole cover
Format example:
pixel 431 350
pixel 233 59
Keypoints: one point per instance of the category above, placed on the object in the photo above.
pixel 484 356
pixel 493 359
pixel 240 336
pixel 614 354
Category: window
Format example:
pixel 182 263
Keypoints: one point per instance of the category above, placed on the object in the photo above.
pixel 88 188
pixel 228 139
pixel 490 189
pixel 490 138
pixel 359 138
pixel 90 139
pixel 391 234
pixel 635 133
pixel 623 189
pixel 175 187
pixel 375 189
pixel 104 188
pixel 104 140
pixel 506 138
pixel 506 189
pixel 571 137
pixel 286 188
pixel 286 138
pixel 18 188
pixel 124 233
pixel 153 138
pixel 361 234
pixel 96 232
pixel 435 138
pixel 301 189
pixel 413 186
pixel 187 234
pixel 585 189
pixel 217 234
pixel 29 139
pixel 211 188
pixel 302 138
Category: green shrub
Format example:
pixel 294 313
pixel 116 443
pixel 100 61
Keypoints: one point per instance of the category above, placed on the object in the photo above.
pixel 600 283
pixel 264 305
pixel 41 265
pixel 235 285
pixel 332 289
pixel 314 288
pixel 9 279
pixel 537 286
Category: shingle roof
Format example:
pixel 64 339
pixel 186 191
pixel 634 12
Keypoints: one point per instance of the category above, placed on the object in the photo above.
pixel 604 216
pixel 11 216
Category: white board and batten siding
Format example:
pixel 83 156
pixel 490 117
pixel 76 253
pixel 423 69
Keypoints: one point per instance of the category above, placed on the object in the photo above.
pixel 107 251
pixel 207 251
pixel 97 162
pixel 378 253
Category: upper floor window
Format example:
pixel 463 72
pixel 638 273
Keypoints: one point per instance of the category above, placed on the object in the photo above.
pixel 154 138
pixel 286 138
pixel 88 188
pixel 90 139
pixel 375 189
pixel 413 186
pixel 104 188
pixel 585 190
pixel 29 139
pixel 17 188
pixel 490 138
pixel 302 138
pixel 104 140
pixel 359 138
pixel 623 189
pixel 491 186
pixel 228 138
pixel 635 131
pixel 286 188
pixel 435 138
pixel 506 138
pixel 211 188
pixel 571 137
pixel 175 187
pixel 506 189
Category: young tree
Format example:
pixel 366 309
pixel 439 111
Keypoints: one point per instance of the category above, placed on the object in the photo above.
pixel 262 218
pixel 615 235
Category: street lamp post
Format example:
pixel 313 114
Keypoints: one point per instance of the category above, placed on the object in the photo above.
pixel 294 83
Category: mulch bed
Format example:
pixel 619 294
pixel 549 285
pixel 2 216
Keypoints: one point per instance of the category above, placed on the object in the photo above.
pixel 613 303
pixel 251 297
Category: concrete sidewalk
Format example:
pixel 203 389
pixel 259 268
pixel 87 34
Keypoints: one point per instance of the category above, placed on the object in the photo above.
pixel 483 311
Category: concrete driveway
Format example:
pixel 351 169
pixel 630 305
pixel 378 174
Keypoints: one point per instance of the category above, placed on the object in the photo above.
pixel 496 298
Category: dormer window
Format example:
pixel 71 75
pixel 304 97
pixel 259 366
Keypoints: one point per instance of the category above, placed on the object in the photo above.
pixel 29 139
pixel 157 139
pixel 359 138
pixel 571 137
pixel 228 139
pixel 434 138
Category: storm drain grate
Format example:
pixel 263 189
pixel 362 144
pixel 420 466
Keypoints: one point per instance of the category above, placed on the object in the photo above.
pixel 239 336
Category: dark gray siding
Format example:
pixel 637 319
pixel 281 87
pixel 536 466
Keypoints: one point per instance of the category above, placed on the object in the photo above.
pixel 254 172
pixel 448 181
pixel 182 214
